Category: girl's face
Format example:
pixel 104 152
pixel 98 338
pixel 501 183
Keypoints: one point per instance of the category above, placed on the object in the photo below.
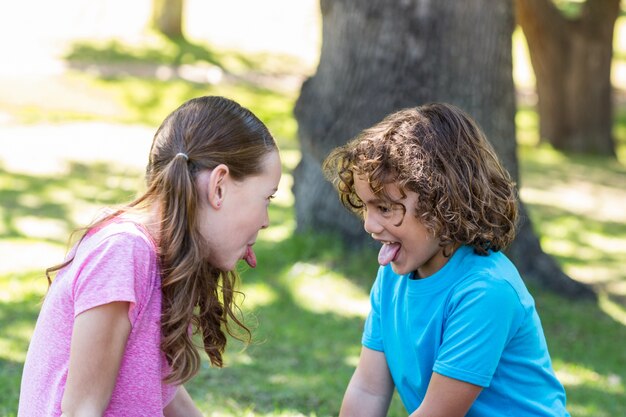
pixel 232 212
pixel 408 245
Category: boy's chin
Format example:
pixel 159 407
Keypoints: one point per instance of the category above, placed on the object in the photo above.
pixel 399 269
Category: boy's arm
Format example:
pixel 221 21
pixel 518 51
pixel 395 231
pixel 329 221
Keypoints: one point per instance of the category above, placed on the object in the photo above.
pixel 98 342
pixel 182 405
pixel 447 397
pixel 370 389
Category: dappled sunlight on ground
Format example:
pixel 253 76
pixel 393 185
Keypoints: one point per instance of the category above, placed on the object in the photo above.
pixel 615 310
pixel 24 255
pixel 574 374
pixel 579 204
pixel 257 295
pixel 321 290
pixel 20 300
pixel 47 194
pixel 577 378
pixel 580 197
pixel 47 149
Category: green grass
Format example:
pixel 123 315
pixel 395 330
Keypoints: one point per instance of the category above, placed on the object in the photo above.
pixel 158 49
pixel 147 101
pixel 308 297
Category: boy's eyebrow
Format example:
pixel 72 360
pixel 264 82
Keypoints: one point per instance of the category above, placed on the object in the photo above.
pixel 377 200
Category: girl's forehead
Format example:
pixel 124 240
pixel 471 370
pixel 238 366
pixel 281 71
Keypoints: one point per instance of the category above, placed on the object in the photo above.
pixel 272 169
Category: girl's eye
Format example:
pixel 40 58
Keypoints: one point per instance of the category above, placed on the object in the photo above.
pixel 384 209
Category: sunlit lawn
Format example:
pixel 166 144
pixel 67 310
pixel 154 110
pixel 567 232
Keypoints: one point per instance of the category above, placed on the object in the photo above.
pixel 308 298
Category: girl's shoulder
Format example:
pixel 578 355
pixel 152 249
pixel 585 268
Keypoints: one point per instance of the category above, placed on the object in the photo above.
pixel 115 261
pixel 117 242
pixel 119 231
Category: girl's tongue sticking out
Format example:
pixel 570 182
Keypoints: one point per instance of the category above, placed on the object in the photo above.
pixel 388 253
pixel 250 257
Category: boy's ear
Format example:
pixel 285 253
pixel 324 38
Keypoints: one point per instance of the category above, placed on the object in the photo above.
pixel 217 185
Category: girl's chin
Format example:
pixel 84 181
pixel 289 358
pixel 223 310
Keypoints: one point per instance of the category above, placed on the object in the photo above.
pixel 229 265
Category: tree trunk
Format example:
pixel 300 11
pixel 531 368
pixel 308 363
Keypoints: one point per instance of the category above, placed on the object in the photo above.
pixel 167 17
pixel 378 57
pixel 572 63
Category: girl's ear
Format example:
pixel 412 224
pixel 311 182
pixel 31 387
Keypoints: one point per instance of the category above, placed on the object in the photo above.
pixel 217 185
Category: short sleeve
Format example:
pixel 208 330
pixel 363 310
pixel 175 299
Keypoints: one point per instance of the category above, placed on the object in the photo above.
pixel 109 272
pixel 481 319
pixel 372 335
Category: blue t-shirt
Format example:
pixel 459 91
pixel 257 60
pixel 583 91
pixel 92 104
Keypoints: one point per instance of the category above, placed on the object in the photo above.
pixel 474 321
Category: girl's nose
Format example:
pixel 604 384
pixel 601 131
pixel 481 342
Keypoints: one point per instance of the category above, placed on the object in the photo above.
pixel 266 221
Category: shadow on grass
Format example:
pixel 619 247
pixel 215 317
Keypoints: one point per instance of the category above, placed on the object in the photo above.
pixel 587 341
pixel 53 199
pixel 301 360
pixel 154 57
pixel 148 101
pixel 554 168
pixel 170 52
pixel 17 318
pixel 580 234
pixel 10 376
pixel 577 230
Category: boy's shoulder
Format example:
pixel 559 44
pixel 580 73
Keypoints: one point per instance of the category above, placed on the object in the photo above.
pixel 492 273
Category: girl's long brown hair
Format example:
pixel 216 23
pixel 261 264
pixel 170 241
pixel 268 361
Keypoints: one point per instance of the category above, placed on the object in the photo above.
pixel 465 196
pixel 197 298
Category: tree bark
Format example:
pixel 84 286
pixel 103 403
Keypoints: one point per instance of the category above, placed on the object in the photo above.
pixel 378 57
pixel 572 63
pixel 167 17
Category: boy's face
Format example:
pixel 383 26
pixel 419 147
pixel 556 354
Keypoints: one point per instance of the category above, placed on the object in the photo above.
pixel 408 245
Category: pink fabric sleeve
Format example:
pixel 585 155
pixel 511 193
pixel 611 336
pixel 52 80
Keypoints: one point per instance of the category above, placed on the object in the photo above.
pixel 117 269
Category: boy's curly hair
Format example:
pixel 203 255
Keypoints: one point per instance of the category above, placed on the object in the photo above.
pixel 465 196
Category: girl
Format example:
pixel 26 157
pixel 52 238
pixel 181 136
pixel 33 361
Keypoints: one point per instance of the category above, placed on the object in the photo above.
pixel 452 325
pixel 114 336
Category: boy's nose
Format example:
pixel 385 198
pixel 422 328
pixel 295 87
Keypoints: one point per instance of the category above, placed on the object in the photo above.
pixel 370 224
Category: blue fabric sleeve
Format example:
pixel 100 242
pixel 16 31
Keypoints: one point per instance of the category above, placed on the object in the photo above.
pixel 481 318
pixel 372 335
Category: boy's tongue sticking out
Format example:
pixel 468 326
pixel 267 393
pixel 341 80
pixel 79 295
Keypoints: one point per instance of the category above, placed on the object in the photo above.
pixel 387 253
pixel 250 257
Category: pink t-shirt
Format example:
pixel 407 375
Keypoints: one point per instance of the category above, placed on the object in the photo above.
pixel 117 262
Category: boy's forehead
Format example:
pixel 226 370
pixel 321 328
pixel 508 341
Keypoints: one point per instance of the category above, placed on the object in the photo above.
pixel 365 190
